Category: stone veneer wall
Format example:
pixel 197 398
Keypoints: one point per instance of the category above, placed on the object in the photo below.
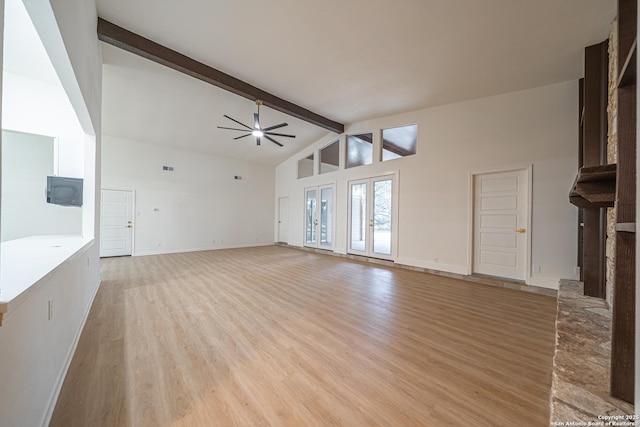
pixel 580 391
pixel 612 156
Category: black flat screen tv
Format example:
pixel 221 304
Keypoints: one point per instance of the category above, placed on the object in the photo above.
pixel 64 191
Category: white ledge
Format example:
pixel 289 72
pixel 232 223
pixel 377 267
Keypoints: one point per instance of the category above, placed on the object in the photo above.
pixel 26 263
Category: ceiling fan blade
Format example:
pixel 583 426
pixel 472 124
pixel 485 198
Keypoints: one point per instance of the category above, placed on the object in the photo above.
pixel 242 136
pixel 241 130
pixel 241 124
pixel 281 125
pixel 273 140
pixel 281 134
pixel 256 121
pixel 257 140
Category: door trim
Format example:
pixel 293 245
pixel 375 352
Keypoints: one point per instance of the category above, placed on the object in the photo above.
pixel 528 167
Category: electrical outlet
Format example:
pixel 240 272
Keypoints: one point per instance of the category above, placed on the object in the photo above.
pixel 577 270
pixel 436 260
pixel 50 310
pixel 537 269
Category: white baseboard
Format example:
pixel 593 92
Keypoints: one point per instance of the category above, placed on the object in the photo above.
pixel 449 268
pixel 206 248
pixel 72 350
pixel 298 243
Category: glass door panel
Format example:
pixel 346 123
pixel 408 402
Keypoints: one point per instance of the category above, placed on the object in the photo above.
pixel 326 217
pixel 372 216
pixel 382 211
pixel 310 218
pixel 358 217
pixel 318 216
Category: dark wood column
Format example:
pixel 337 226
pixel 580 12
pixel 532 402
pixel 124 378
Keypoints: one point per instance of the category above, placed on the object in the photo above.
pixel 580 164
pixel 624 309
pixel 593 153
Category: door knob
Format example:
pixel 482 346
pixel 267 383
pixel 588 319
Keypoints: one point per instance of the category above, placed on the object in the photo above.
pixel 520 230
pixel 129 226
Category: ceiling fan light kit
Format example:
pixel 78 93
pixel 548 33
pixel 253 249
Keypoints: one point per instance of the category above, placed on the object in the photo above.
pixel 257 131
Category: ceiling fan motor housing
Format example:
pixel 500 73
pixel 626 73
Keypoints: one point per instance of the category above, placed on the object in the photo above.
pixel 257 131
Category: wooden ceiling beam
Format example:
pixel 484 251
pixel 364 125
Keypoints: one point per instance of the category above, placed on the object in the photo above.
pixel 134 43
pixel 396 149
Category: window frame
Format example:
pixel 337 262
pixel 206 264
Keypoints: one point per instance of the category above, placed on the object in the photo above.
pixel 313 166
pixel 382 146
pixel 357 135
pixel 320 172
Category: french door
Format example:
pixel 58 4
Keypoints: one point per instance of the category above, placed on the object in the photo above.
pixel 318 218
pixel 372 217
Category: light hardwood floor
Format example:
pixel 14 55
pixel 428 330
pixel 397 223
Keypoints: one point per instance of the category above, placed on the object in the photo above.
pixel 275 336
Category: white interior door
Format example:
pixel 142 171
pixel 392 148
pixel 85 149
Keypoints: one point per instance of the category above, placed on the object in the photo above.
pixel 283 219
pixel 318 223
pixel 372 217
pixel 116 223
pixel 501 209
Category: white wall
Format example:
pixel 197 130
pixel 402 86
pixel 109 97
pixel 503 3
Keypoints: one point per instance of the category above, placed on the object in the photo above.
pixel 536 126
pixel 1 94
pixel 27 160
pixel 197 206
pixel 67 30
pixel 35 352
pixel 42 108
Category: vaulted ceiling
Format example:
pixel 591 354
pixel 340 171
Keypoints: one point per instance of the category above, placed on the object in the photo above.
pixel 348 61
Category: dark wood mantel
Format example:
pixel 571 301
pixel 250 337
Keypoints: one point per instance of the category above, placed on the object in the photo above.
pixel 594 187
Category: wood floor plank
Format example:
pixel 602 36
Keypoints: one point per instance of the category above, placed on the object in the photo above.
pixel 275 336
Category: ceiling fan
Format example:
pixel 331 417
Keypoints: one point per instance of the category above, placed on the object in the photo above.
pixel 257 130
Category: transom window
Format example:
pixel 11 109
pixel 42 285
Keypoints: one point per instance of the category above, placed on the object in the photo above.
pixel 305 167
pixel 359 150
pixel 330 157
pixel 399 142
